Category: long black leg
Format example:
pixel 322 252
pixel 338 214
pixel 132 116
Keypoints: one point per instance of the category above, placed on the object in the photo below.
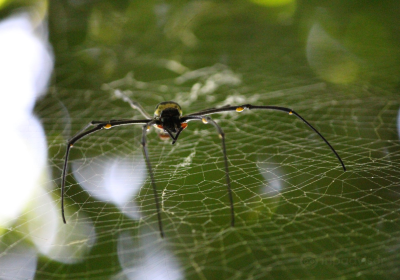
pixel 84 132
pixel 221 134
pixel 171 135
pixel 252 107
pixel 174 138
pixel 146 154
pixel 177 135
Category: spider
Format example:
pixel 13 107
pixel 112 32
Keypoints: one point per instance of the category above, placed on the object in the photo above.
pixel 168 120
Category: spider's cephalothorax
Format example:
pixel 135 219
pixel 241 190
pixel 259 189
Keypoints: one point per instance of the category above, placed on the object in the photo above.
pixel 168 114
pixel 169 120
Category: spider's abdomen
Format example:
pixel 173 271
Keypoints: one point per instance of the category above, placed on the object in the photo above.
pixel 170 105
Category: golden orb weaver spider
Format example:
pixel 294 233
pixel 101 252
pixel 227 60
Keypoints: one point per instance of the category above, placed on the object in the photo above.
pixel 168 118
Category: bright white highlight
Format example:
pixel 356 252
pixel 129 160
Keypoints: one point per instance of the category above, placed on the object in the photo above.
pixel 146 260
pixel 25 68
pixel 113 179
pixel 19 262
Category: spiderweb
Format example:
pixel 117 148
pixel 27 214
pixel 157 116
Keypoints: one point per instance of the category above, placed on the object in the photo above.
pixel 298 215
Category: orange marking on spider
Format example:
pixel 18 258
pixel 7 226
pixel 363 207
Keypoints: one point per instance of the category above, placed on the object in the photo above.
pixel 164 136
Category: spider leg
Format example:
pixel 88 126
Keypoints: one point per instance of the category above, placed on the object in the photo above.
pixel 175 138
pixel 205 111
pixel 146 154
pixel 221 134
pixel 275 108
pixel 171 135
pixel 135 105
pixel 177 135
pixel 82 133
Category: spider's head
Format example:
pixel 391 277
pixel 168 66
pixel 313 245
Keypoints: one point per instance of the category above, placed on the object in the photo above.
pixel 170 120
pixel 169 114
